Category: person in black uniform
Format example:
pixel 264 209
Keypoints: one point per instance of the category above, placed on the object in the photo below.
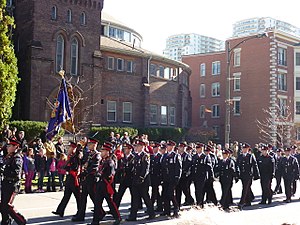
pixel 141 182
pixel 87 177
pixel 11 184
pixel 248 170
pixel 183 184
pixel 201 171
pixel 171 165
pixel 72 180
pixel 266 166
pixel 277 158
pixel 104 190
pixel 156 176
pixel 289 170
pixel 126 171
pixel 297 156
pixel 226 170
pixel 209 184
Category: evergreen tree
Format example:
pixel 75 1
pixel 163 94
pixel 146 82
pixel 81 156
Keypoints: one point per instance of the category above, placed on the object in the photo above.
pixel 8 66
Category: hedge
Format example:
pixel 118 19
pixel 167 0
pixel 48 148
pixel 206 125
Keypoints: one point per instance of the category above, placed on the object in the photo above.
pixel 155 134
pixel 32 129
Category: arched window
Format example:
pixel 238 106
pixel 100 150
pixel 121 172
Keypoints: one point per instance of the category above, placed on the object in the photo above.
pixel 82 19
pixel 74 56
pixel 69 16
pixel 54 13
pixel 59 56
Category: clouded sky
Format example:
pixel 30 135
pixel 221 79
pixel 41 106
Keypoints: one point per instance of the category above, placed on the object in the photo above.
pixel 155 20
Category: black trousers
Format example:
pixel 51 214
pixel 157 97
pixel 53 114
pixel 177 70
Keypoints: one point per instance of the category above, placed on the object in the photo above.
pixel 155 195
pixel 246 197
pixel 8 192
pixel 70 189
pixel 226 185
pixel 183 186
pixel 278 187
pixel 168 195
pixel 88 189
pixel 210 191
pixel 199 190
pixel 288 187
pixel 267 192
pixel 101 194
pixel 121 191
pixel 140 191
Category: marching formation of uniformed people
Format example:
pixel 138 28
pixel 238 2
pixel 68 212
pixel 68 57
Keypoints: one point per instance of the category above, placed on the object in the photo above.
pixel 107 171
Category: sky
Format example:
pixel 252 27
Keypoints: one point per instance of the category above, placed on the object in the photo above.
pixel 155 20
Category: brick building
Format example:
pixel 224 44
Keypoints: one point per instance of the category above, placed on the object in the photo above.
pixel 118 83
pixel 262 77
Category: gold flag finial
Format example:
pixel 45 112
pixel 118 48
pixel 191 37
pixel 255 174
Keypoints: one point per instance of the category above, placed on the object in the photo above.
pixel 62 73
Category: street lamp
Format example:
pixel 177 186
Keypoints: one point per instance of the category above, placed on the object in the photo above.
pixel 228 99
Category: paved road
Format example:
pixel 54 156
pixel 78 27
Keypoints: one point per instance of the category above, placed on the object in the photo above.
pixel 37 209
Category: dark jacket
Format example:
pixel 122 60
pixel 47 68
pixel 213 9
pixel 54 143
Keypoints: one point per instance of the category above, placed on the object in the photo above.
pixel 202 167
pixel 266 165
pixel 248 166
pixel 289 168
pixel 171 167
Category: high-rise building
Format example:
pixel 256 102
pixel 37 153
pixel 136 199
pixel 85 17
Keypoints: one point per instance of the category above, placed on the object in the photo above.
pixel 264 76
pixel 190 44
pixel 261 24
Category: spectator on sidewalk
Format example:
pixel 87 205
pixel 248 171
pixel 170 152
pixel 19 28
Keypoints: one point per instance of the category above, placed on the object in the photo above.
pixel 61 171
pixel 29 169
pixel 51 166
pixel 40 165
pixel 59 146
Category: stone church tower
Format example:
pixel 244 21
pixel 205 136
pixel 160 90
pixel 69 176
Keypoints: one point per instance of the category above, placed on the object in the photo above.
pixel 51 35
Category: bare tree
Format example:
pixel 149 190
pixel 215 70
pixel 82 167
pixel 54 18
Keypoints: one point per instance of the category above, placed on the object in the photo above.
pixel 277 125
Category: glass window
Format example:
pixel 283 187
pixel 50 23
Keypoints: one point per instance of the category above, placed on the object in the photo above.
pixel 129 66
pixel 202 90
pixel 111 63
pixel 127 112
pixel 153 69
pixel 237 83
pixel 153 114
pixel 298 108
pixel 215 89
pixel 282 82
pixel 202 111
pixel 120 64
pixel 297 58
pixel 236 107
pixel 298 83
pixel 74 56
pixel 111 111
pixel 162 71
pixel 69 16
pixel 83 19
pixel 283 106
pixel 282 56
pixel 202 69
pixel 163 115
pixel 112 32
pixel 60 46
pixel 54 13
pixel 215 111
pixel 216 68
pixel 298 133
pixel 172 116
pixel 237 58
